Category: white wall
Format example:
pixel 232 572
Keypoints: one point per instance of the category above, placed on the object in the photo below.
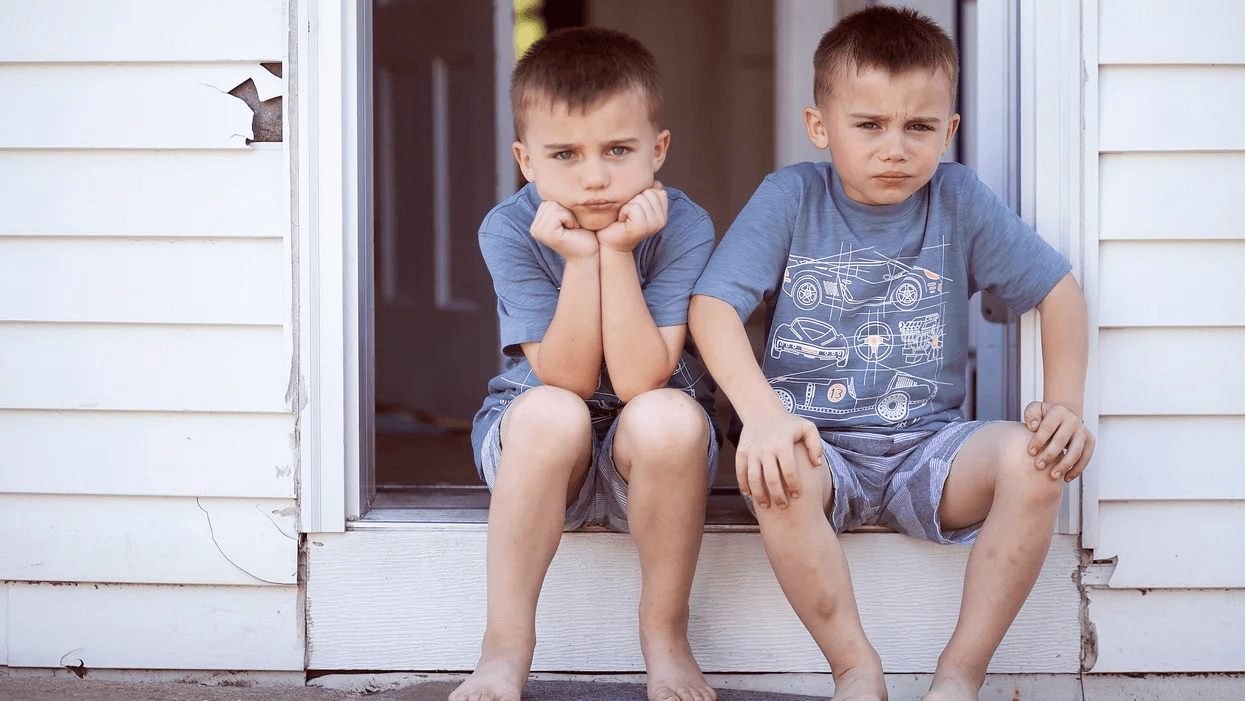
pixel 1168 85
pixel 147 444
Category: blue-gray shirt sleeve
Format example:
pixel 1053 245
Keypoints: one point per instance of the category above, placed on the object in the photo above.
pixel 672 262
pixel 747 266
pixel 527 295
pixel 1003 254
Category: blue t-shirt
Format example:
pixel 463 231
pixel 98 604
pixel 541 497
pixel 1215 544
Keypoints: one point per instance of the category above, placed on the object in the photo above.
pixel 527 276
pixel 869 304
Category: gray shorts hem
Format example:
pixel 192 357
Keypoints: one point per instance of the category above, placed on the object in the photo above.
pixel 602 500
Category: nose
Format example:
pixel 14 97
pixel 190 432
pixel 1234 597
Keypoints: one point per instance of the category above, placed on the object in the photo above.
pixel 893 147
pixel 595 175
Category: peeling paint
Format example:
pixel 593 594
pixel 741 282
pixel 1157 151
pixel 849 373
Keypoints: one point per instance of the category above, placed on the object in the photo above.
pixel 262 88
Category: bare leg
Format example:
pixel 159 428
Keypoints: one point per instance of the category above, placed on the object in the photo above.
pixel 993 478
pixel 812 570
pixel 661 449
pixel 547 439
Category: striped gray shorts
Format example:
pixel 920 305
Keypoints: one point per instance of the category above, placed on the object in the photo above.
pixel 895 480
pixel 602 501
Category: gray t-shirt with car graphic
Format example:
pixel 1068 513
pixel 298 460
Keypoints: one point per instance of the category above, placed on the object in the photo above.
pixel 869 304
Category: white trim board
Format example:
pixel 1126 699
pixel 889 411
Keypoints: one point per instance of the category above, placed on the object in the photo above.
pixel 380 599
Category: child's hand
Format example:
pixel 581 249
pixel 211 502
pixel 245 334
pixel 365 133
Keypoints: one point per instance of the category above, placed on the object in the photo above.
pixel 1060 442
pixel 639 219
pixel 765 463
pixel 557 228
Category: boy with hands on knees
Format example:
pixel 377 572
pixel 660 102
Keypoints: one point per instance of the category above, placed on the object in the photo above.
pixel 867 264
pixel 599 417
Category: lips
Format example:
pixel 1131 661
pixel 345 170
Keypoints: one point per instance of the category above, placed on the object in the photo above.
pixel 597 204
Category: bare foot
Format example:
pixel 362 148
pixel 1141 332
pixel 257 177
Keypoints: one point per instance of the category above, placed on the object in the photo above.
pixel 673 674
pixel 496 678
pixel 860 684
pixel 948 687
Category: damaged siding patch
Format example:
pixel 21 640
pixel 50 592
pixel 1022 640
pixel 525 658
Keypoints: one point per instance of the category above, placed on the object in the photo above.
pixel 266 124
pixel 261 88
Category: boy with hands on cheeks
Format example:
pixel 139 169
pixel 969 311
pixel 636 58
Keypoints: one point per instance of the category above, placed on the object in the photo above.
pixel 867 264
pixel 600 416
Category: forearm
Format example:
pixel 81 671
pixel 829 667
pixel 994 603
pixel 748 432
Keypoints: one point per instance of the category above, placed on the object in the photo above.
pixel 725 350
pixel 1065 351
pixel 569 355
pixel 635 352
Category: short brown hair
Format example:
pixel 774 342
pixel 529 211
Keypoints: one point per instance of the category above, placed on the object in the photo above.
pixel 580 66
pixel 894 39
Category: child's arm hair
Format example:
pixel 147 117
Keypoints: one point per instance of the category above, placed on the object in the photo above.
pixel 1061 443
pixel 765 459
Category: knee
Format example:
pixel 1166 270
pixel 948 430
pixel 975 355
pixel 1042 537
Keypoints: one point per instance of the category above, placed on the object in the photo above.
pixel 547 416
pixel 1018 473
pixel 664 420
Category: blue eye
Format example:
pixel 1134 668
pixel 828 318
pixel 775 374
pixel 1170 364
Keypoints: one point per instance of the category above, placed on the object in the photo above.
pixel 619 151
pixel 563 156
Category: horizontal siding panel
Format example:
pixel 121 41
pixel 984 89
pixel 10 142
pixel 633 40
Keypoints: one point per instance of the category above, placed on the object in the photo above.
pixel 143 30
pixel 1198 457
pixel 1143 278
pixel 156 368
pixel 1171 195
pixel 145 106
pixel 215 194
pixel 1168 108
pixel 155 627
pixel 1182 630
pixel 238 281
pixel 362 616
pixel 1173 544
pixel 139 453
pixel 1171 371
pixel 148 540
pixel 1157 31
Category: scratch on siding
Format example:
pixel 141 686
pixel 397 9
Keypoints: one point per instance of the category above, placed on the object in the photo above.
pixel 286 513
pixel 212 532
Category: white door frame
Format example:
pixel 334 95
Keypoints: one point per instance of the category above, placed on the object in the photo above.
pixel 331 163
pixel 332 231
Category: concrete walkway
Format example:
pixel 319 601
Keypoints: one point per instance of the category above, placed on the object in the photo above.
pixel 62 688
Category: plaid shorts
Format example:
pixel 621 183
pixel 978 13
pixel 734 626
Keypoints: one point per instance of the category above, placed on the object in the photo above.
pixel 602 501
pixel 895 480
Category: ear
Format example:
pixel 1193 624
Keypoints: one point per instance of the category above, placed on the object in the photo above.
pixel 659 149
pixel 524 159
pixel 816 128
pixel 953 125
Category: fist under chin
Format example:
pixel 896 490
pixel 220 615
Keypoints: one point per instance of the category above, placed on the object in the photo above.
pixel 597 219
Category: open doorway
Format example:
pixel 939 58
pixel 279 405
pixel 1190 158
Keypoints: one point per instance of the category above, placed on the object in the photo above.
pixel 441 162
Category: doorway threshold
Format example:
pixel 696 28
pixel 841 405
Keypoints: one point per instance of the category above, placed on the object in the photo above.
pixel 395 506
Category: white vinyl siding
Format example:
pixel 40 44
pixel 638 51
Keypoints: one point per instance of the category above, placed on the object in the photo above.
pixel 180 627
pixel 148 446
pixel 1170 164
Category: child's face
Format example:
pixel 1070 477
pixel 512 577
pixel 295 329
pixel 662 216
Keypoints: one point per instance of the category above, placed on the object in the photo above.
pixel 592 162
pixel 886 132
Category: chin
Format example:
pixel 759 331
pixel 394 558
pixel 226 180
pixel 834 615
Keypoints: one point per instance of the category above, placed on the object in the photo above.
pixel 595 221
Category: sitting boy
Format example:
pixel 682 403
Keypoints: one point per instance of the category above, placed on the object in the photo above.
pixel 599 416
pixel 852 418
